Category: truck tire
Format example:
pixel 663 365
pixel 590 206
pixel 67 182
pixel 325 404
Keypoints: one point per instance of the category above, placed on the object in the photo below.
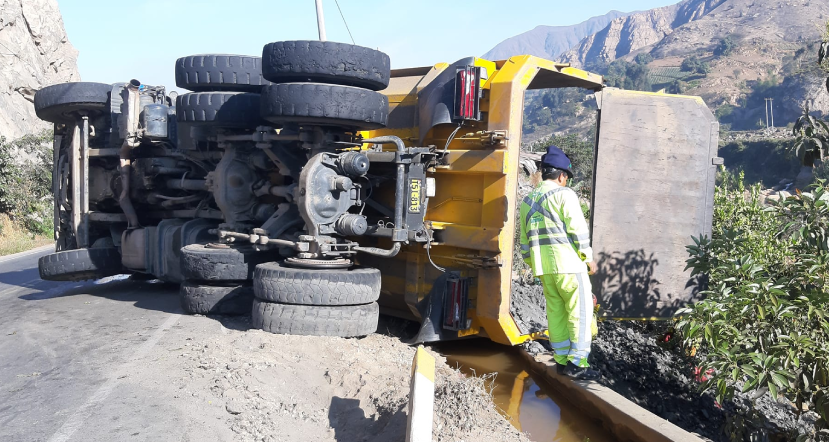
pixel 235 73
pixel 58 103
pixel 277 282
pixel 325 105
pixel 201 262
pixel 224 109
pixel 80 264
pixel 325 62
pixel 313 320
pixel 226 299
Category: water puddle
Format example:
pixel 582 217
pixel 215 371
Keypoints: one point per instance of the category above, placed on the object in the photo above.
pixel 525 399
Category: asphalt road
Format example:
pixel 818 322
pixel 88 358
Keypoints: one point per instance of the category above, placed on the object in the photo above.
pixel 74 358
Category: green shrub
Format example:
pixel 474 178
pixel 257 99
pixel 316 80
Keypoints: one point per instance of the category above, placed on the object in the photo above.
pixel 694 65
pixel 26 181
pixel 764 161
pixel 764 322
pixel 643 58
pixel 725 113
pixel 725 46
pixel 580 152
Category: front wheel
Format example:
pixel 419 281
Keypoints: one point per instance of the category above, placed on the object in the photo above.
pixel 80 264
pixel 60 103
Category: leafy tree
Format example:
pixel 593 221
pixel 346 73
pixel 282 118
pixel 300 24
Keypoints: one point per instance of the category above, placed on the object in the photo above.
pixel 812 133
pixel 26 181
pixel 725 46
pixel 693 64
pixel 764 324
pixel 580 151
pixel 552 109
pixel 643 58
pixel 812 138
pixel 677 87
pixel 724 113
pixel 631 76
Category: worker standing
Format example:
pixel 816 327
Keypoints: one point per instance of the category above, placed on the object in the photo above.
pixel 555 242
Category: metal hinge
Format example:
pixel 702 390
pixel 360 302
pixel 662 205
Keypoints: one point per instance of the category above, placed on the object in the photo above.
pixel 487 137
pixel 478 262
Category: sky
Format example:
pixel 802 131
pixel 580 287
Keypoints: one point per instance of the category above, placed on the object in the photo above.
pixel 119 40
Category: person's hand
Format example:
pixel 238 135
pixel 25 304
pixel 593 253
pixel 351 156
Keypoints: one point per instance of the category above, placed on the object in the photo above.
pixel 592 269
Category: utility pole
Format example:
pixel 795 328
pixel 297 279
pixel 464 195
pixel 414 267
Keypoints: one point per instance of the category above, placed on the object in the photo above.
pixel 320 20
pixel 771 109
pixel 766 101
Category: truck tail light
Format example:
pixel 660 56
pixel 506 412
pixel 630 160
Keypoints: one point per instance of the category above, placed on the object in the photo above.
pixel 468 94
pixel 456 303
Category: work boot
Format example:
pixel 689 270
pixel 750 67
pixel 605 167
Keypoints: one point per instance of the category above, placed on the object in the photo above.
pixel 580 373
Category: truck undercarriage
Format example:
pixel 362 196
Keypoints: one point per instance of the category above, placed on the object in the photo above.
pixel 201 188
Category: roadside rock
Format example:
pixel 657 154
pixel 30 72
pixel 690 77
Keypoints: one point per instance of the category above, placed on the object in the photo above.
pixel 36 52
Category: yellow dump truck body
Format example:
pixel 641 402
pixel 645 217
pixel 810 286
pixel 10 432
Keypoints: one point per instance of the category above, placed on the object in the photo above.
pixel 473 211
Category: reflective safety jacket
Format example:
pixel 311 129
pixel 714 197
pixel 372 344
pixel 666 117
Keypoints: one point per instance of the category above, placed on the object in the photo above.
pixel 554 235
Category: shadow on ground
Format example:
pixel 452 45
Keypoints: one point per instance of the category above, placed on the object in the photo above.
pixel 350 423
pixel 159 296
pixel 148 295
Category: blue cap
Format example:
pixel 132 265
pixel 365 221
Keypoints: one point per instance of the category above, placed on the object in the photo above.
pixel 556 157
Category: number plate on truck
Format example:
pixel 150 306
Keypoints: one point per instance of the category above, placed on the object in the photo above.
pixel 415 191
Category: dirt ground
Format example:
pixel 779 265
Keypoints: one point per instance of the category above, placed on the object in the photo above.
pixel 637 363
pixel 270 387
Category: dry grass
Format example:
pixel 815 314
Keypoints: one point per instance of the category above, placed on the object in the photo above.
pixel 14 239
pixel 464 409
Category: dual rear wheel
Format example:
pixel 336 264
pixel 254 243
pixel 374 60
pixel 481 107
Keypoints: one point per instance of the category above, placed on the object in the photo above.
pixel 282 299
pixel 305 83
pixel 295 82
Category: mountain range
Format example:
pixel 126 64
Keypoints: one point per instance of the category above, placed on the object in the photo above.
pixel 772 51
pixel 550 41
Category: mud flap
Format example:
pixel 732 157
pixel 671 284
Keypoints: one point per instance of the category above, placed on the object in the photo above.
pixel 431 310
pixel 434 306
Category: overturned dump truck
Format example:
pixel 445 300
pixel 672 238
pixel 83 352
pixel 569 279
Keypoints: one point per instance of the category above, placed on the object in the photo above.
pixel 314 187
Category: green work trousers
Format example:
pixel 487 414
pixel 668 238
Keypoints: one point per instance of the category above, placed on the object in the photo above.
pixel 569 316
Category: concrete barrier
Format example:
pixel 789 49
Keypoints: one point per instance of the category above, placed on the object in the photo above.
pixel 421 397
pixel 626 420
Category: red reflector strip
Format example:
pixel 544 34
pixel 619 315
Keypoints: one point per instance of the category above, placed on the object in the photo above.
pixel 470 94
pixel 463 111
pixel 467 86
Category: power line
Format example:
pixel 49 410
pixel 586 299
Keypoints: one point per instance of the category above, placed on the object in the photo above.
pixel 346 23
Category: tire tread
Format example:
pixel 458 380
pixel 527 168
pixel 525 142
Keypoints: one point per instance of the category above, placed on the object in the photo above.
pixel 80 264
pixel 277 282
pixel 311 320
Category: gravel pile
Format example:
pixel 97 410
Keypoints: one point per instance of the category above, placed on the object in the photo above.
pixel 527 305
pixel 638 363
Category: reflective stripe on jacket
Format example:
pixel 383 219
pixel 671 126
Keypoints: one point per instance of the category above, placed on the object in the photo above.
pixel 554 235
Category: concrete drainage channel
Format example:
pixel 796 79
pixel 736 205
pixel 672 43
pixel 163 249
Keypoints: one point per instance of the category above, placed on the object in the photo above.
pixel 549 407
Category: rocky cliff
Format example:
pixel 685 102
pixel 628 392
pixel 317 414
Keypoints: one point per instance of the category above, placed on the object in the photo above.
pixel 35 52
pixel 550 41
pixel 636 31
